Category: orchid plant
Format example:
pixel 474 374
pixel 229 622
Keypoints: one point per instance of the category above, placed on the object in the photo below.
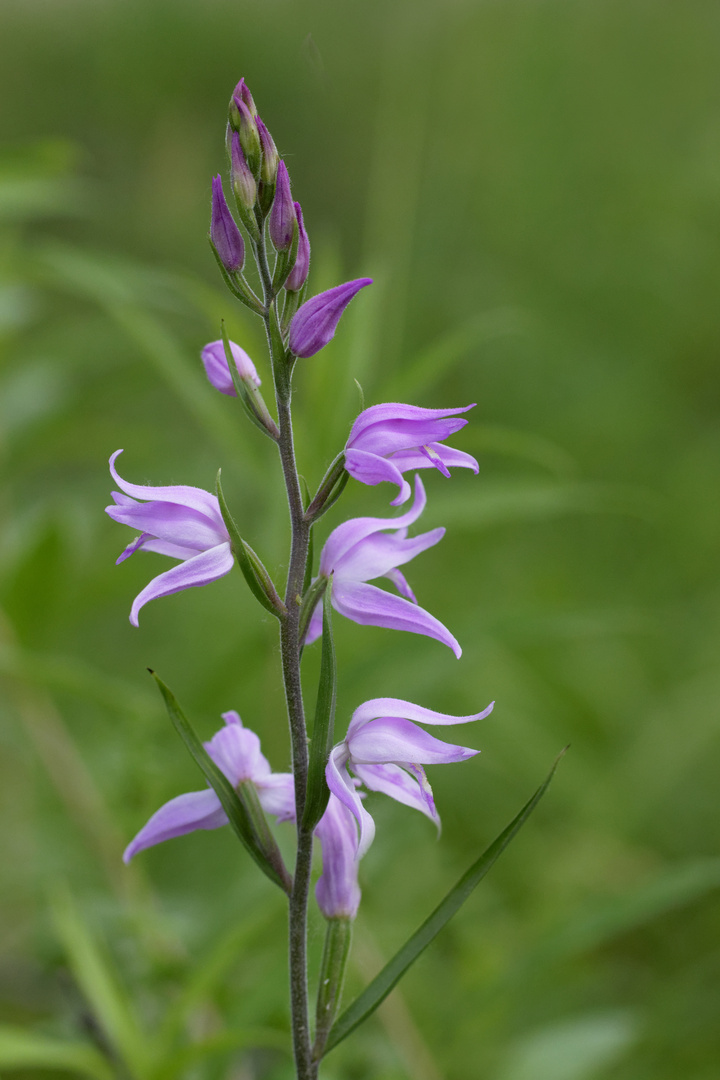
pixel 386 746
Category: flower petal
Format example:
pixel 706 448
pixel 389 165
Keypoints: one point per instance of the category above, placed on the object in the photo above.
pixel 236 752
pixel 177 493
pixel 404 434
pixel 405 460
pixel 384 416
pixel 388 706
pixel 277 795
pixel 372 469
pixel 194 810
pixel 394 739
pixel 172 522
pixel 200 570
pixel 391 780
pixel 379 553
pixel 337 890
pixel 370 606
pixel 341 785
pixel 350 533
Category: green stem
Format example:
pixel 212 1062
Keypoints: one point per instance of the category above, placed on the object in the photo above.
pixel 290 657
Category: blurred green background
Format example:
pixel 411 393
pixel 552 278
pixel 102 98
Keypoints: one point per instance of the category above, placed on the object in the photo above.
pixel 534 187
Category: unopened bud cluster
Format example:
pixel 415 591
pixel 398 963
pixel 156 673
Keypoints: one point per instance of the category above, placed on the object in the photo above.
pixel 261 191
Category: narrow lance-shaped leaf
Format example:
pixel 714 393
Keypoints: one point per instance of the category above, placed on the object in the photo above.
pixel 383 983
pixel 250 397
pixel 321 743
pixel 253 571
pixel 270 861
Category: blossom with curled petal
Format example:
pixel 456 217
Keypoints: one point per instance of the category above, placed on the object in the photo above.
pixel 337 891
pixel 366 548
pixel 182 522
pixel 236 752
pixel 389 440
pixel 386 750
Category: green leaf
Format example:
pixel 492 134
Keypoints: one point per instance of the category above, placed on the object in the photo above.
pixel 255 574
pixel 21 1049
pixel 321 742
pixel 382 984
pixel 269 862
pixel 98 983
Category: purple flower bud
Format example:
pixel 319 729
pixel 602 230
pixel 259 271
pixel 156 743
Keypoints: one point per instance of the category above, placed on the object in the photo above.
pixel 282 215
pixel 243 181
pixel 241 91
pixel 270 156
pixel 316 321
pixel 224 233
pixel 217 371
pixel 242 120
pixel 298 275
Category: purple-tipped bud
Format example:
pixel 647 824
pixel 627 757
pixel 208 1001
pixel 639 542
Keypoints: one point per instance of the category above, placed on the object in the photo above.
pixel 243 121
pixel 298 275
pixel 270 156
pixel 241 91
pixel 217 371
pixel 282 215
pixel 224 233
pixel 243 181
pixel 316 321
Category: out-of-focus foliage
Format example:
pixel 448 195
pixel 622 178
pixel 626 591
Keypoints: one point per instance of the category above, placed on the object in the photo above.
pixel 534 187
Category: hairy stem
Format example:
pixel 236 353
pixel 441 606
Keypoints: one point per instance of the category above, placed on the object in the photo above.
pixel 290 655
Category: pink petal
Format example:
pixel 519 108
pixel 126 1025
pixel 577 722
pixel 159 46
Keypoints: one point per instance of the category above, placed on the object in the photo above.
pixel 387 413
pixel 372 469
pixel 342 786
pixel 391 780
pixel 236 752
pixel 370 606
pixel 172 522
pixel 389 706
pixel 394 739
pixel 200 570
pixel 381 552
pixel 184 814
pixel 405 460
pixel 350 533
pixel 178 493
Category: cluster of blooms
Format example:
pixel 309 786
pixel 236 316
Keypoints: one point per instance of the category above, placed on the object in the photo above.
pixel 384 749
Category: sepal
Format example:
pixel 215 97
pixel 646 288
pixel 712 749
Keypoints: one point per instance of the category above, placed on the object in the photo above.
pixel 331 488
pixel 241 815
pixel 255 574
